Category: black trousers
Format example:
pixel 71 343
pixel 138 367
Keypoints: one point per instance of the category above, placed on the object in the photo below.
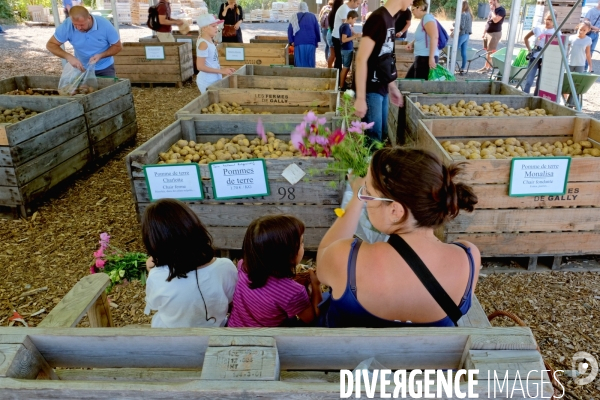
pixel 337 45
pixel 420 68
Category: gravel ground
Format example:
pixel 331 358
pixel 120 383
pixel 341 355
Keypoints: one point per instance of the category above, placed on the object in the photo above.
pixel 54 248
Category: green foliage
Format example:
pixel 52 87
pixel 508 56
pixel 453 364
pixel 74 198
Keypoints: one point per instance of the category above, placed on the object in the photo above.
pixel 125 265
pixel 5 10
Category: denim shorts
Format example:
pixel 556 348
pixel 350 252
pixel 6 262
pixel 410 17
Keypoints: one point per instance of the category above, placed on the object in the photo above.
pixel 328 38
pixel 347 58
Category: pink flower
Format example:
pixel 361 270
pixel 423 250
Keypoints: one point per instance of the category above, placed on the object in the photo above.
pixel 92 269
pixel 322 140
pixel 310 117
pixel 336 137
pixel 99 253
pixel 100 263
pixel 260 130
pixel 297 137
pixel 321 121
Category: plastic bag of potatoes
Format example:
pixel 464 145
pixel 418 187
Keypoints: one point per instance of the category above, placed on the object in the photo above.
pixel 237 148
pixel 472 109
pixel 512 147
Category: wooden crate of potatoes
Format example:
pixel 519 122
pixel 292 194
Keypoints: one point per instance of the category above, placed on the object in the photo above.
pixel 397 116
pixel 43 141
pixel 312 199
pixel 404 59
pixel 109 111
pixel 255 53
pixel 275 82
pixel 287 71
pixel 420 107
pixel 136 62
pixel 260 101
pixel 502 225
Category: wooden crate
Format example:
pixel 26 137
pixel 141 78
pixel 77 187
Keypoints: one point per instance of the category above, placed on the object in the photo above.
pixel 313 199
pixel 40 152
pixel 414 114
pixel 288 71
pixel 561 9
pixel 269 39
pixel 397 116
pixel 256 53
pixel 275 82
pixel 109 112
pixel 404 60
pixel 177 67
pixel 522 226
pixel 264 100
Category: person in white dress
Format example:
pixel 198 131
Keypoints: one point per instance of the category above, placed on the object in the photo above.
pixel 207 57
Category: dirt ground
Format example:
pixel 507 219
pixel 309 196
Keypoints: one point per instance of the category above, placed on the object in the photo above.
pixel 51 250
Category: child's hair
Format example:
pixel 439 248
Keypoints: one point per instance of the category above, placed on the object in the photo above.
pixel 585 24
pixel 174 236
pixel 422 4
pixel 352 14
pixel 270 248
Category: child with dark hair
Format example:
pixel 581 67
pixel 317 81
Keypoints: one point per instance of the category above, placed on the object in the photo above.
pixel 347 36
pixel 266 294
pixel 187 284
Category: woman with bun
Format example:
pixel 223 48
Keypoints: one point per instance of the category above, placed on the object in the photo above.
pixel 407 194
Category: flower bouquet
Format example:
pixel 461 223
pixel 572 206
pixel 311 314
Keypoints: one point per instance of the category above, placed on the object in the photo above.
pixel 121 267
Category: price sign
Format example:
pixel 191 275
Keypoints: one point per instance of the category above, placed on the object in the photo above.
pixel 184 40
pixel 155 52
pixel 234 54
pixel 539 176
pixel 174 181
pixel 552 70
pixel 239 179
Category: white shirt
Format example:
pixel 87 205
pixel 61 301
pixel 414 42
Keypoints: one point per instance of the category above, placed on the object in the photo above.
pixel 205 79
pixel 179 303
pixel 539 33
pixel 341 14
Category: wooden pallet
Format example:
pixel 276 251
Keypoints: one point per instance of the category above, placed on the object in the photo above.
pixel 313 199
pixel 176 68
pixel 534 226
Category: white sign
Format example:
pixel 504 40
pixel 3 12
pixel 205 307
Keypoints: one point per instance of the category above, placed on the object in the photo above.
pixel 155 52
pixel 528 17
pixel 234 54
pixel 184 40
pixel 293 173
pixel 174 181
pixel 537 176
pixel 552 71
pixel 239 179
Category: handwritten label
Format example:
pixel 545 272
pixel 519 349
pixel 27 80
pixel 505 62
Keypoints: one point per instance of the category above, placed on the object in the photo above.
pixel 239 179
pixel 234 54
pixel 539 176
pixel 155 52
pixel 174 181
pixel 293 173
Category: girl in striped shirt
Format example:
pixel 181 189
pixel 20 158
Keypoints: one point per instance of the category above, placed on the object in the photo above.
pixel 266 295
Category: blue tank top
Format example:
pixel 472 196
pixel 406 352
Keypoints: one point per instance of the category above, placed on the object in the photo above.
pixel 347 312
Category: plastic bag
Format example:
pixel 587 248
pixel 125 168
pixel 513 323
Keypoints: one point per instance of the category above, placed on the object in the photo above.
pixel 521 60
pixel 440 73
pixel 365 229
pixel 73 81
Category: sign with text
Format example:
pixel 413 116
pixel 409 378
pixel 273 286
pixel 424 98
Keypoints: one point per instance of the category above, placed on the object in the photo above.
pixel 234 54
pixel 155 52
pixel 184 40
pixel 551 73
pixel 528 17
pixel 531 176
pixel 174 181
pixel 239 179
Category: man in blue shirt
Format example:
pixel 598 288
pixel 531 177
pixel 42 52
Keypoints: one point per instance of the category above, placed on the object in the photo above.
pixel 94 39
pixel 593 17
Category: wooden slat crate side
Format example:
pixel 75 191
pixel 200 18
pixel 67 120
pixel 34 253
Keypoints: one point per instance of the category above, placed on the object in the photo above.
pixel 111 91
pixel 5 157
pixel 529 220
pixel 44 142
pixel 469 88
pixel 233 237
pixel 253 60
pixel 8 85
pixel 109 110
pixel 110 126
pixel 296 72
pixel 138 49
pixel 8 176
pixel 148 152
pixel 10 196
pixel 274 82
pixel 36 189
pixel 147 78
pixel 41 123
pixel 311 192
pixel 277 98
pixel 49 159
pixel 260 53
pixel 241 215
pixel 531 243
pixel 115 141
pixel 142 61
pixel 153 72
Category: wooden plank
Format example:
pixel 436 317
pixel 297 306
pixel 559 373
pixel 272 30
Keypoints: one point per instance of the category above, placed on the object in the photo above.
pixel 265 70
pixel 277 98
pixel 16 361
pixel 141 60
pixel 225 340
pixel 115 141
pixel 149 70
pixel 567 219
pixel 69 311
pixel 147 78
pixel 109 110
pixel 233 237
pixel 110 90
pixel 244 214
pixel 578 194
pixel 39 104
pixel 241 363
pixel 511 363
pixel 99 313
pixel 10 196
pixel 8 177
pixel 271 82
pixel 40 185
pixel 232 125
pixel 129 375
pixel 47 160
pixel 525 244
pixel 475 317
pixel 112 125
pixel 253 60
pixel 311 192
pixel 503 127
pixel 148 152
pixel 138 49
pixel 426 141
pixel 5 157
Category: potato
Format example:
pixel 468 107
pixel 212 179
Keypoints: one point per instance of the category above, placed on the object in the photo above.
pixel 453 148
pixel 182 143
pixel 585 143
pixel 595 152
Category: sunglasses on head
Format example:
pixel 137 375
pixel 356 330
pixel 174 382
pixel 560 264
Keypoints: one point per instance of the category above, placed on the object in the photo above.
pixel 365 197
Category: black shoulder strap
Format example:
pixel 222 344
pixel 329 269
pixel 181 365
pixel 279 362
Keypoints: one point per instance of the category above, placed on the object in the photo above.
pixel 352 266
pixel 426 277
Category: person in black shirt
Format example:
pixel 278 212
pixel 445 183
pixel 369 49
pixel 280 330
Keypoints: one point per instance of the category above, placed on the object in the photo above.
pixel 374 79
pixel 403 19
pixel 233 14
pixel 493 31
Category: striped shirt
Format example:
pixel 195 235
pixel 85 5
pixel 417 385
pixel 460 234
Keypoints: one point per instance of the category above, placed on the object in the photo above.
pixel 268 306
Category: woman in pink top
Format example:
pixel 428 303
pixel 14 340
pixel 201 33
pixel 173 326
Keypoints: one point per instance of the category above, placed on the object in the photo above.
pixel 266 295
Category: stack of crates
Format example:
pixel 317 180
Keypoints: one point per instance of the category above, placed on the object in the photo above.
pixel 561 9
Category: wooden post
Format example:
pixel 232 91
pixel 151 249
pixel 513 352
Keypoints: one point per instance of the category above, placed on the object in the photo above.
pixel 99 314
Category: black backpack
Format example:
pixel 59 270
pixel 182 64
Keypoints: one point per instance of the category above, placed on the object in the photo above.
pixel 153 22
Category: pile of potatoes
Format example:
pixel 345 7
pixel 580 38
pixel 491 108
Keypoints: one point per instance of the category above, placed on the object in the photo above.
pixel 30 92
pixel 472 109
pixel 14 115
pixel 511 147
pixel 238 148
pixel 226 108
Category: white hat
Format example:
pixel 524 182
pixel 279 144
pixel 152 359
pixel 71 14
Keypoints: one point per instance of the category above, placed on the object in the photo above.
pixel 208 19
